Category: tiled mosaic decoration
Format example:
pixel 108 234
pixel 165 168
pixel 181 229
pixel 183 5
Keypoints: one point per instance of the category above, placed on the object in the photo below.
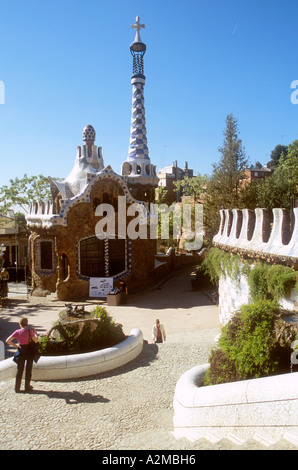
pixel 138 133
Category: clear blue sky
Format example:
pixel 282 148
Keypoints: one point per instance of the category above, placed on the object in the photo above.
pixel 67 63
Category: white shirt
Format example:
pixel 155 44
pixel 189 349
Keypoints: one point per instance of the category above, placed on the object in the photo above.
pixel 162 330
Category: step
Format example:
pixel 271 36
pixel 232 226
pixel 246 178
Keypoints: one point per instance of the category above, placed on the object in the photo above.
pixel 291 437
pixel 264 438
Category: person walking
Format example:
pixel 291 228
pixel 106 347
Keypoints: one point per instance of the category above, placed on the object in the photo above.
pixel 4 277
pixel 158 332
pixel 123 289
pixel 25 353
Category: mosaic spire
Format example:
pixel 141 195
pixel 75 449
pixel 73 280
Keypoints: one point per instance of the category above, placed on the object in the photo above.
pixel 138 166
pixel 138 148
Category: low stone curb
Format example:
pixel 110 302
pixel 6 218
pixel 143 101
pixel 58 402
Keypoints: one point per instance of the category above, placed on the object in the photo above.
pixel 80 365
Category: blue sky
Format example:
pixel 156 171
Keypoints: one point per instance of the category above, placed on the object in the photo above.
pixel 66 63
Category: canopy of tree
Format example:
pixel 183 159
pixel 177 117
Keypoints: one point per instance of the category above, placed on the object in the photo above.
pixel 21 191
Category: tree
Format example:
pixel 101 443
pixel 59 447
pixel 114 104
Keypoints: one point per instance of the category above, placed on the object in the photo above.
pixel 276 154
pixel 160 195
pixel 279 189
pixel 289 161
pixel 226 182
pixel 22 191
pixel 195 186
pixel 229 173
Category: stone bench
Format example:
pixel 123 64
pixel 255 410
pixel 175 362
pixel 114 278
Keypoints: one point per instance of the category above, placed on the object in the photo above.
pixel 80 365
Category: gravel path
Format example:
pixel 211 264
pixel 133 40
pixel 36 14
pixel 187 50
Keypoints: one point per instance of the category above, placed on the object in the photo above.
pixel 128 409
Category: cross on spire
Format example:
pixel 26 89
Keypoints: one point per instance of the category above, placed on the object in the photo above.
pixel 138 26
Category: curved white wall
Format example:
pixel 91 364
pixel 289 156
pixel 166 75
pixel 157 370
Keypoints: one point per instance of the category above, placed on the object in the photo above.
pixel 80 365
pixel 265 238
pixel 239 408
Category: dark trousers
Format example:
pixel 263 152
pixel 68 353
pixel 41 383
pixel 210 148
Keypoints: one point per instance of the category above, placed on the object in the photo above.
pixel 21 365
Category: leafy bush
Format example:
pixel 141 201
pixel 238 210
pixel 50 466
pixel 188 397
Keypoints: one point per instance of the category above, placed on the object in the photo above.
pixel 258 282
pixel 221 370
pixel 216 263
pixel 271 281
pixel 222 263
pixel 105 334
pixel 249 346
pixel 281 280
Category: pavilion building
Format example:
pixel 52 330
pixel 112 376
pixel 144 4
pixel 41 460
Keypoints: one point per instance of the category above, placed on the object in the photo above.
pixel 68 255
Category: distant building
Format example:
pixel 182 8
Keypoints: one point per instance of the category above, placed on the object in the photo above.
pixel 168 176
pixel 257 174
pixel 14 243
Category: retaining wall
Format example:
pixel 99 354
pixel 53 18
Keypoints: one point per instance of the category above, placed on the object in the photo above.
pixel 242 409
pixel 80 365
pixel 260 234
pixel 235 292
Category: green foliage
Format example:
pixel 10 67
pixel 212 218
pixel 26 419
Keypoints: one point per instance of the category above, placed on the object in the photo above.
pixel 221 370
pixel 230 171
pixel 265 281
pixel 277 190
pixel 160 195
pixel 247 347
pixel 106 334
pixel 258 282
pixel 271 281
pixel 221 263
pixel 251 343
pixel 21 191
pixel 225 185
pixel 276 154
pixel 194 187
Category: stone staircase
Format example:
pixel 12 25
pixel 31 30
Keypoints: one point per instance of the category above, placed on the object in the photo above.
pixel 261 440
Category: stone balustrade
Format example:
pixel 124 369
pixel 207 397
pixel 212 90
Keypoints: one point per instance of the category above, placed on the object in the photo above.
pixel 80 365
pixel 41 213
pixel 41 208
pixel 259 233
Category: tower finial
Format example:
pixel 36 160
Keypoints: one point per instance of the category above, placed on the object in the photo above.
pixel 138 167
pixel 138 26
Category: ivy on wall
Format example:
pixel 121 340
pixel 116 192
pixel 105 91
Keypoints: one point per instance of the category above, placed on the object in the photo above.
pixel 266 281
